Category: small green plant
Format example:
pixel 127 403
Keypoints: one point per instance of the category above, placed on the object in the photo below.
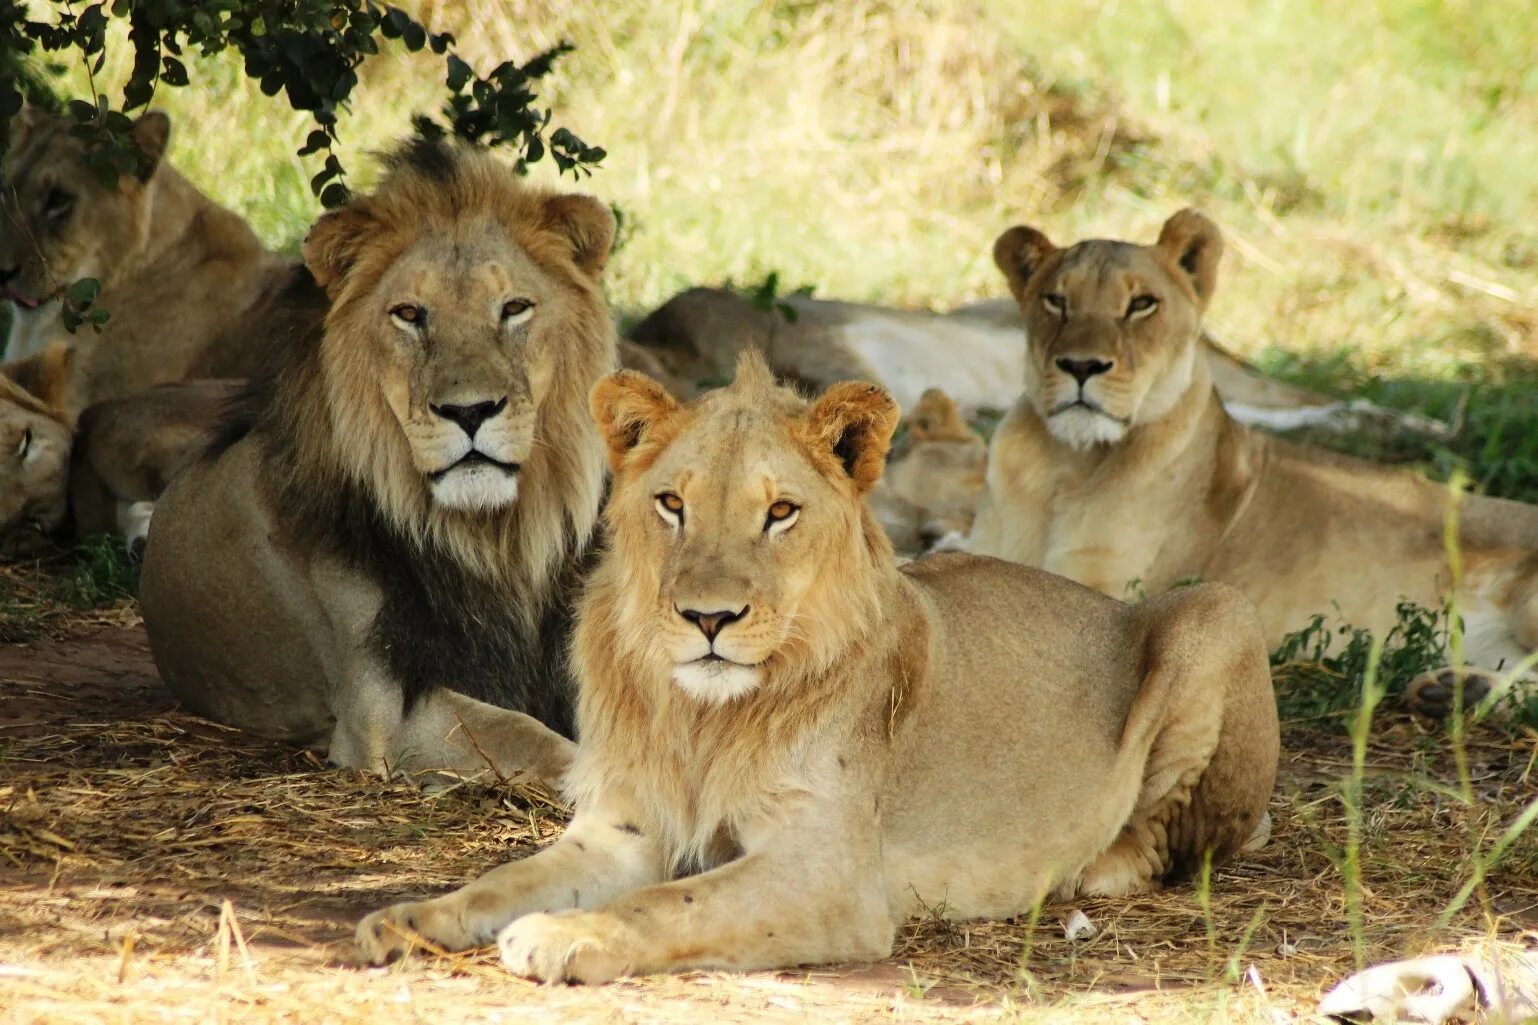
pixel 1320 669
pixel 1371 695
pixel 97 573
pixel 766 295
pixel 104 573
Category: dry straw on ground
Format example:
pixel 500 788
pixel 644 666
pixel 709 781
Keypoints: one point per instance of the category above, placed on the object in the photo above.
pixel 154 867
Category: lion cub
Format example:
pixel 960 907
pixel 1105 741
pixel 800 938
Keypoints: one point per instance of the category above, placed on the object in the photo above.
pixel 820 741
pixel 1119 463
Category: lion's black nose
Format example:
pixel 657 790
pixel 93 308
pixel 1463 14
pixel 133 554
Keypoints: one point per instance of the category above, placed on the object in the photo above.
pixel 712 623
pixel 1082 370
pixel 470 418
pixel 8 274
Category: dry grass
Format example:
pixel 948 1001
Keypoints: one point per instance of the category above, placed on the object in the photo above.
pixel 158 867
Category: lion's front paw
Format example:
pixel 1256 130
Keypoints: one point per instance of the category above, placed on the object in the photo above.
pixel 386 935
pixel 1435 694
pixel 569 946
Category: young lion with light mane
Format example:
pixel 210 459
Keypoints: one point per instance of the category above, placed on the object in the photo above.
pixel 824 740
pixel 1120 463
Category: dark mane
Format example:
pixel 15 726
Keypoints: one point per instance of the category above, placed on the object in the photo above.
pixel 438 625
pixel 297 321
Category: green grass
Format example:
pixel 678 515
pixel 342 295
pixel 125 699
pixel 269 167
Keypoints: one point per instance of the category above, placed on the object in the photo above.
pixel 1494 405
pixel 1371 164
pixel 1322 670
pixel 97 573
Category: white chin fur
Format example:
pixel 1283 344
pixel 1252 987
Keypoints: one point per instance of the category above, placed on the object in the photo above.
pixel 716 682
pixel 1081 428
pixel 476 488
pixel 32 330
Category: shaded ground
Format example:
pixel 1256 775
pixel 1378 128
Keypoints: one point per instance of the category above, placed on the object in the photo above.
pixel 157 867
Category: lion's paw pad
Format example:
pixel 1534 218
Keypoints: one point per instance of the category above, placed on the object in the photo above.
pixel 1433 694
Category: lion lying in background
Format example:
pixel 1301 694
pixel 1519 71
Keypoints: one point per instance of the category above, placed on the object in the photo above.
pixel 931 488
pixel 35 440
pixel 188 286
pixel 379 555
pixel 772 709
pixel 103 473
pixel 1119 463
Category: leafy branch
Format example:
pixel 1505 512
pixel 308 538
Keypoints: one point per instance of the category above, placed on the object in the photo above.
pixel 308 50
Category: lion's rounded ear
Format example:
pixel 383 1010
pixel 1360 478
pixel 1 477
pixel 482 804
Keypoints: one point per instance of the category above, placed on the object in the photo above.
pixel 24 121
pixel 936 417
pixel 854 421
pixel 1194 245
pixel 625 405
pixel 333 243
pixel 45 375
pixel 151 133
pixel 1020 253
pixel 587 224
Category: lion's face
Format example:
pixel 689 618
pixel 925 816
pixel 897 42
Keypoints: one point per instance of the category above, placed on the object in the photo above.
pixel 458 323
pixel 734 515
pixel 34 470
pixel 460 333
pixel 1112 327
pixel 59 223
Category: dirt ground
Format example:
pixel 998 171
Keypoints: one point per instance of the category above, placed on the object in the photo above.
pixel 157 867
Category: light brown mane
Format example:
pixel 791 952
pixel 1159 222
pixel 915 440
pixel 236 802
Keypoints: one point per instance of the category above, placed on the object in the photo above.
pixel 704 767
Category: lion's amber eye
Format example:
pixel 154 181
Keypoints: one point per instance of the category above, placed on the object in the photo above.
pixel 1056 304
pixel 408 313
pixel 57 202
pixel 516 308
pixel 781 512
pixel 1141 304
pixel 670 506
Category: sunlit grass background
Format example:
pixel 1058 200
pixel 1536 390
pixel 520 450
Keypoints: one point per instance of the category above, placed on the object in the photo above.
pixel 1374 165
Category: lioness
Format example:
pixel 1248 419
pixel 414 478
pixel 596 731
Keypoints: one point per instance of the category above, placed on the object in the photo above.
pixel 35 440
pixel 103 473
pixel 1120 463
pixel 932 486
pixel 187 283
pixel 381 552
pixel 770 707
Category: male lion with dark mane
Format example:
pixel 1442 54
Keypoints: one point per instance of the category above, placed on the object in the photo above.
pixel 382 550
pixel 1119 462
pixel 187 283
pixel 813 743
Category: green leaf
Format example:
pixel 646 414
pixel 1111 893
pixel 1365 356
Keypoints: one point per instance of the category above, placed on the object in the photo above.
pixel 334 195
pixel 84 291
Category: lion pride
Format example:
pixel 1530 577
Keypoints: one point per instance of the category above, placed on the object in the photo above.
pixel 790 743
pixel 1119 463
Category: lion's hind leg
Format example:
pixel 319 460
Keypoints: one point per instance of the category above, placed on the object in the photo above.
pixel 1204 725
